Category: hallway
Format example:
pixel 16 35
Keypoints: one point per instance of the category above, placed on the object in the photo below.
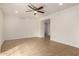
pixel 37 47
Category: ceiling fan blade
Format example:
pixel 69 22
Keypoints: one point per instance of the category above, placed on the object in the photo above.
pixel 31 7
pixel 29 11
pixel 40 8
pixel 40 11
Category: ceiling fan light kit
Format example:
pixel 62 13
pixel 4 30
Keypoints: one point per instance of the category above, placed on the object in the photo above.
pixel 35 12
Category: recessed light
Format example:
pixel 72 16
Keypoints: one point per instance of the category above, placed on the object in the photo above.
pixel 60 3
pixel 16 11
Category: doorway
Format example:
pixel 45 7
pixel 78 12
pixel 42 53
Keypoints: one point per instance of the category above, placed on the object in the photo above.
pixel 46 29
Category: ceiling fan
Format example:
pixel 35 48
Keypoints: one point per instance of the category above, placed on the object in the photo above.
pixel 35 9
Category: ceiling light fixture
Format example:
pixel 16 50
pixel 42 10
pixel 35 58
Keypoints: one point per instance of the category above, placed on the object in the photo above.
pixel 35 12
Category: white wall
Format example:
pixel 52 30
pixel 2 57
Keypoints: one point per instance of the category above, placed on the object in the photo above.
pixel 1 28
pixel 21 27
pixel 65 26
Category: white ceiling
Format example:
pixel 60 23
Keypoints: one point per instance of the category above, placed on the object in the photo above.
pixel 49 8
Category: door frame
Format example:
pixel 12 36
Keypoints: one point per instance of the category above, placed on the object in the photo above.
pixel 42 26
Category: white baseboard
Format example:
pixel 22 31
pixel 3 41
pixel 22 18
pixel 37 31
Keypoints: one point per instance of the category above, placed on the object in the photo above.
pixel 24 38
pixel 66 43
